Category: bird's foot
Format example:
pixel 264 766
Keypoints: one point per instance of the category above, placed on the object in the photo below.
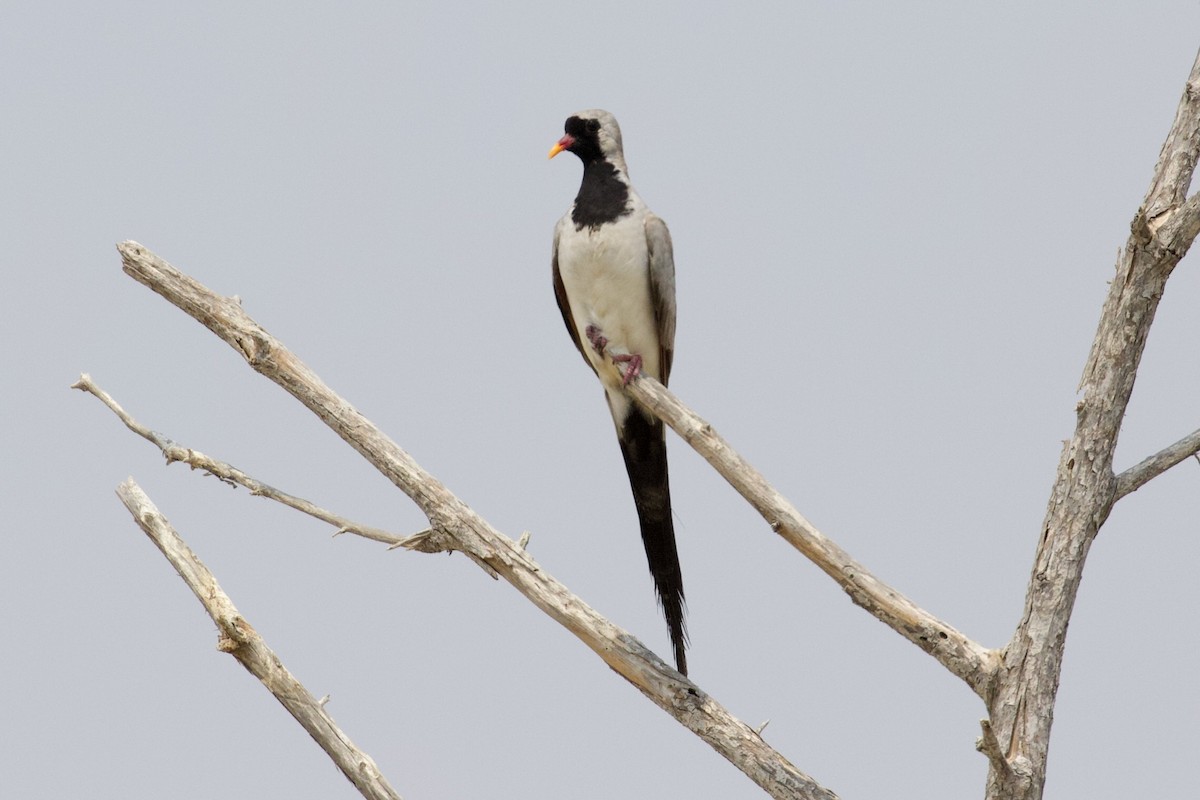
pixel 599 342
pixel 633 370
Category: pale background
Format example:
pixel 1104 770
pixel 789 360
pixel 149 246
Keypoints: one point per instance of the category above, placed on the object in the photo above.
pixel 893 228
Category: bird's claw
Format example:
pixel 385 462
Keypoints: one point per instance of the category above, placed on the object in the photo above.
pixel 633 370
pixel 600 344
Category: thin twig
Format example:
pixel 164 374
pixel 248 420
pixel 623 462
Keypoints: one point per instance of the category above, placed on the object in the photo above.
pixel 227 473
pixel 1146 470
pixel 241 641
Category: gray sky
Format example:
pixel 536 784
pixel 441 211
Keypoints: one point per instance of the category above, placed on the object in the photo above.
pixel 893 229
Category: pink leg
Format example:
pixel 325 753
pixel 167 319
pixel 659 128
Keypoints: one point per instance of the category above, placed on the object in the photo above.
pixel 635 366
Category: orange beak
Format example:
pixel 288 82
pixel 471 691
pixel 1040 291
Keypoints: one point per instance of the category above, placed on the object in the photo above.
pixel 560 145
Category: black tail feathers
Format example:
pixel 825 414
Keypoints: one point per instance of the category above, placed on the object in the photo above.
pixel 644 446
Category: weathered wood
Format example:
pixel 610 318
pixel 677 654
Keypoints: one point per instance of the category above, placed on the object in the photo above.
pixel 240 640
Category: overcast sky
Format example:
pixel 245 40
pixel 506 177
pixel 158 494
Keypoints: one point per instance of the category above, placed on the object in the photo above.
pixel 893 225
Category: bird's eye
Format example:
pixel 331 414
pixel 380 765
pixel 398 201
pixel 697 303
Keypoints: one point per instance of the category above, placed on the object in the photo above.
pixel 593 125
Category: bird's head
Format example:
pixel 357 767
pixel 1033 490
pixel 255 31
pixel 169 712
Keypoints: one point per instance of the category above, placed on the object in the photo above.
pixel 593 135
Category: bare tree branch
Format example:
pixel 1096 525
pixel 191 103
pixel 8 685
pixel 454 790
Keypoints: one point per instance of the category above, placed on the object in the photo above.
pixel 1150 468
pixel 454 526
pixel 1021 704
pixel 965 658
pixel 227 473
pixel 241 641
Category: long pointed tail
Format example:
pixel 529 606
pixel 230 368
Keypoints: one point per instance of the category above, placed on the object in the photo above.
pixel 644 446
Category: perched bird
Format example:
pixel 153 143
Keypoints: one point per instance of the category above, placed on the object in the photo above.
pixel 614 278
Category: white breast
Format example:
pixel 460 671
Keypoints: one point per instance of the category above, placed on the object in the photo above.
pixel 606 276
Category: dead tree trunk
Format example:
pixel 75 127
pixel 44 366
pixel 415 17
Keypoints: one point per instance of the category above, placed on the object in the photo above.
pixel 1020 701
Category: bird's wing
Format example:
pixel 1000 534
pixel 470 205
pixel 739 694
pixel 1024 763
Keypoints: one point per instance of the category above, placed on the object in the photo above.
pixel 564 304
pixel 662 289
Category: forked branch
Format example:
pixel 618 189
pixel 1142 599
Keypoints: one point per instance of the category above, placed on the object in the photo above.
pixel 1085 488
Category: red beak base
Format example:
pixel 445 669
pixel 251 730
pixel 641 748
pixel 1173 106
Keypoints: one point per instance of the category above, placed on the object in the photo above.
pixel 562 144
